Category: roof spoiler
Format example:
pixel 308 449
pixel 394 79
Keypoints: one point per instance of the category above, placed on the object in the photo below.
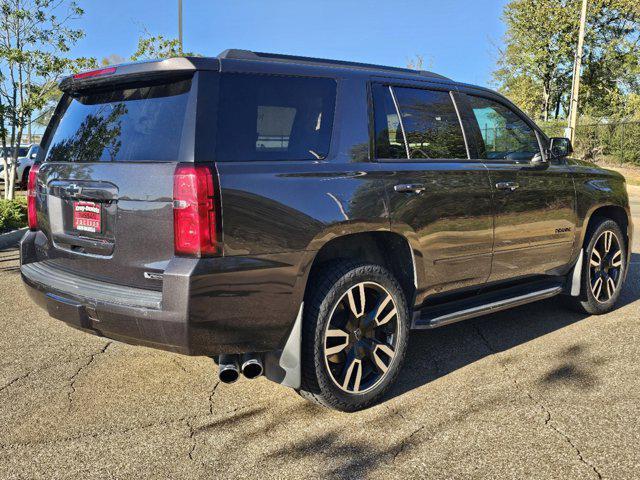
pixel 135 71
pixel 238 54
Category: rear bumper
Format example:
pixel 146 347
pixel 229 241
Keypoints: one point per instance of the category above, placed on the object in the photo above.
pixel 206 306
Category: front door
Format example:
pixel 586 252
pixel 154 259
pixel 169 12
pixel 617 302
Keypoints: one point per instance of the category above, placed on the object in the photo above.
pixel 439 199
pixel 534 200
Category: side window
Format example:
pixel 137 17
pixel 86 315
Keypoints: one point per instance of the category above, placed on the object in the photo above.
pixel 263 117
pixel 389 140
pixel 505 136
pixel 430 123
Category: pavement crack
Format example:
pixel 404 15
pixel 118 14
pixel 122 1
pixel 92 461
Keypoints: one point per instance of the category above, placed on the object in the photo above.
pixel 192 433
pixel 486 342
pixel 74 377
pixel 213 392
pixel 406 442
pixel 37 370
pixel 567 439
pixel 102 433
pixel 180 366
pixel 393 411
pixel 548 417
pixel 434 359
pixel 17 379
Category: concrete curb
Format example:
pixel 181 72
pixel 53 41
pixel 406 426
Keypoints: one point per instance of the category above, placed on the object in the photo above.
pixel 12 238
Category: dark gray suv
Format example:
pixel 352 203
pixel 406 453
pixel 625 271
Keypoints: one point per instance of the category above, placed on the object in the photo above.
pixel 297 217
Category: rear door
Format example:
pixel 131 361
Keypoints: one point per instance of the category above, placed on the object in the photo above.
pixel 439 198
pixel 107 180
pixel 534 200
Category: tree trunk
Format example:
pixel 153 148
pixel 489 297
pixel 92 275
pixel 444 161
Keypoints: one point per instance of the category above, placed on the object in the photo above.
pixel 546 100
pixel 8 187
pixel 558 104
pixel 545 106
pixel 5 165
pixel 5 175
pixel 14 164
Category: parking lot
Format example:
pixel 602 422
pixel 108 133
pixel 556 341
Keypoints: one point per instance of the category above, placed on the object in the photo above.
pixel 535 392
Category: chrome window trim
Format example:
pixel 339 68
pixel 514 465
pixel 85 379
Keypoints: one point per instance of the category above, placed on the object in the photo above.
pixel 464 133
pixel 404 135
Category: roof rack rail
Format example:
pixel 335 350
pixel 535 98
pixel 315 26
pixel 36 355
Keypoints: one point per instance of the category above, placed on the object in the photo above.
pixel 239 54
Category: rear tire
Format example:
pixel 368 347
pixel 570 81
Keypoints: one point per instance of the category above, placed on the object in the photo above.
pixel 354 337
pixel 604 268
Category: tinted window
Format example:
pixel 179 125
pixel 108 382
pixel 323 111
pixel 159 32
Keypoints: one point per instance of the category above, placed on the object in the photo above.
pixel 265 117
pixel 504 134
pixel 389 140
pixel 430 123
pixel 22 151
pixel 129 125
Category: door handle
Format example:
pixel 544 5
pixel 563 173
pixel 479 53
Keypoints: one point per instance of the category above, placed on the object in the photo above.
pixel 410 188
pixel 510 186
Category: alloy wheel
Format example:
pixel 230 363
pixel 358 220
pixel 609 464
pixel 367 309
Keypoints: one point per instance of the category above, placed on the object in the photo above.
pixel 361 337
pixel 605 266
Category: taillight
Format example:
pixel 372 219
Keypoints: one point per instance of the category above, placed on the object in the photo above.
pixel 95 73
pixel 194 214
pixel 32 214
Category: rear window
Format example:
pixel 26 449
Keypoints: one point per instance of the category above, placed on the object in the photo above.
pixel 430 124
pixel 265 117
pixel 126 125
pixel 389 138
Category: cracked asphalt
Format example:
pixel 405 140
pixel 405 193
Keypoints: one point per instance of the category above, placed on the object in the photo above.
pixel 535 392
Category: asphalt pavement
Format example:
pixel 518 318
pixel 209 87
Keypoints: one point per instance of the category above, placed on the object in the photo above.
pixel 534 392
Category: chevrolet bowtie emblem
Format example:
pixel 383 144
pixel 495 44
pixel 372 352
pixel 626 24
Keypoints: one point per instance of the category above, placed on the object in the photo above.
pixel 73 190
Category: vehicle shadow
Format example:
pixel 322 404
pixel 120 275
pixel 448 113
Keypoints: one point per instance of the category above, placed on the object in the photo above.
pixel 435 353
pixel 10 260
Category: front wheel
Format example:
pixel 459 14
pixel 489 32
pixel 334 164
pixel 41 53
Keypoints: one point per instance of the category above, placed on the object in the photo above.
pixel 603 269
pixel 354 336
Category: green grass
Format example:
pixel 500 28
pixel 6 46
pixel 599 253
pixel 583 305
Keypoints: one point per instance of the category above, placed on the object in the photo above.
pixel 13 214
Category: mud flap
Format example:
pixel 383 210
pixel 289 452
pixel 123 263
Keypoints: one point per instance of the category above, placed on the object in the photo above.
pixel 576 276
pixel 284 366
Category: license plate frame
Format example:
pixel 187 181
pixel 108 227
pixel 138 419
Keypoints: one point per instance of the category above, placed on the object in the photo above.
pixel 87 216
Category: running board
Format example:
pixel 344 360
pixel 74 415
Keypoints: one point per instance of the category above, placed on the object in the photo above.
pixel 433 318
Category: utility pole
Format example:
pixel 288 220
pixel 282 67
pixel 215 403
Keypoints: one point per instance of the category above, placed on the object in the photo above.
pixel 180 25
pixel 577 66
pixel 30 115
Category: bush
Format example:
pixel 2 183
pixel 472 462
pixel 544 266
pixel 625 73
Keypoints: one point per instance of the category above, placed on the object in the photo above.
pixel 13 214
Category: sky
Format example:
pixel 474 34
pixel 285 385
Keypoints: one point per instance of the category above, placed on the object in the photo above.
pixel 457 38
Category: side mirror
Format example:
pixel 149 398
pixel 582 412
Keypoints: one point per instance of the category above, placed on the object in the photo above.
pixel 34 156
pixel 560 147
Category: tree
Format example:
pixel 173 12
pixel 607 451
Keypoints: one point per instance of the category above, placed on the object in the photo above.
pixel 535 64
pixel 157 46
pixel 611 57
pixel 34 36
pixel 112 59
pixel 418 63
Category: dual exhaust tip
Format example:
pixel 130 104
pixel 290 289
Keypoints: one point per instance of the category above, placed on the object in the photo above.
pixel 230 367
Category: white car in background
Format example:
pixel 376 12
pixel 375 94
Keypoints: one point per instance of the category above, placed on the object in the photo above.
pixel 26 156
